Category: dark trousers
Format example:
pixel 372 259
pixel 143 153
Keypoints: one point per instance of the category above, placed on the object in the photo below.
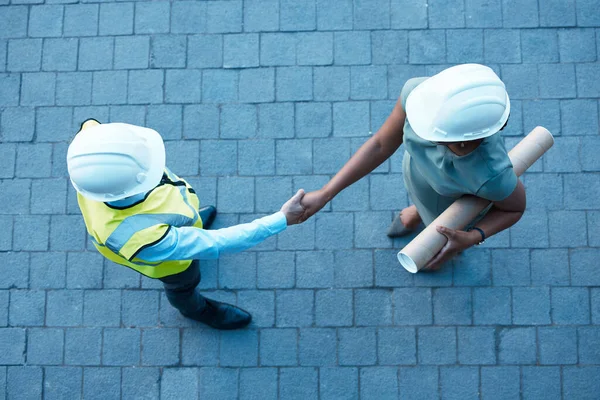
pixel 181 290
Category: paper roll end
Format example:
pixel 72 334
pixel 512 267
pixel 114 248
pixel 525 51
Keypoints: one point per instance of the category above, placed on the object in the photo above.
pixel 407 262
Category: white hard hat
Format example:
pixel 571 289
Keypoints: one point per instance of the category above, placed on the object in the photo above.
pixel 110 162
pixel 461 103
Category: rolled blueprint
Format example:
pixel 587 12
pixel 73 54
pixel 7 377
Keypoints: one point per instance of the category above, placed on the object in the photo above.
pixel 415 255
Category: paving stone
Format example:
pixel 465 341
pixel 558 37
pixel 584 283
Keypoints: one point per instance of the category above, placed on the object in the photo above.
pixel 9 90
pixel 464 45
pixel 357 346
pixel 589 338
pixel 64 308
pixel 62 382
pixel 24 55
pixel 413 306
pixel 367 300
pixel 582 263
pixel 579 117
pixel 353 268
pixel 351 118
pixel 378 382
pixel 580 382
pixel 154 17
pixel 396 346
pixel 334 307
pixel 16 267
pixel 45 21
pixel 557 345
pixel 239 349
pixel 14 21
pixel 95 53
pixel 84 270
pixel 260 16
pixel 491 306
pixel 540 382
pixel 579 188
pixel 570 306
pixel 294 308
pixel 27 307
pixel 476 345
pixel 549 112
pixel 116 19
pixel 139 308
pixel 121 346
pixel 557 13
pixel 275 270
pixel 520 80
pixel 45 346
pixel 352 48
pixel 160 346
pixel 540 46
pixel 37 89
pixel 24 382
pixel 8 155
pixel 180 383
pixel 387 273
pixel 510 267
pixel 258 383
pixel 224 16
pixel 563 78
pixel 520 14
pixel 317 347
pixel 81 20
pixel 278 347
pixel 469 378
pixel 276 120
pixel 26 238
pixel 436 345
pixel 83 346
pixel 418 383
pixel 426 47
pixel 257 85
pixel 238 121
pixel 104 382
pixel 408 14
pixel 531 306
pixel 297 15
pixel 550 267
pixel 499 382
pixel 446 14
pixel 517 346
pixel 200 347
pixel 140 382
pixel 585 13
pixel 102 308
pixel 338 383
pixel 12 346
pixel 186 17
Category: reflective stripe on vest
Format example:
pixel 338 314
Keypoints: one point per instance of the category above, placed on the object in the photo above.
pixel 120 233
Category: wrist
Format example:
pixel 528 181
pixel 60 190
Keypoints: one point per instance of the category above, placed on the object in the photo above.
pixel 476 237
pixel 328 192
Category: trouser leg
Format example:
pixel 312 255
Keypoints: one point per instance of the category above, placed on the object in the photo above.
pixel 181 290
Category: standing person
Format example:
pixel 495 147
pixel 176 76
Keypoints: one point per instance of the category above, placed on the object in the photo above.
pixel 449 125
pixel 141 215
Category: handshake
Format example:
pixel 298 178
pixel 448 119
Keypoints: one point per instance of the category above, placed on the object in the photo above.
pixel 302 206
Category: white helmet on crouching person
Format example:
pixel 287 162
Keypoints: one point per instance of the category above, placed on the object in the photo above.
pixel 462 103
pixel 109 162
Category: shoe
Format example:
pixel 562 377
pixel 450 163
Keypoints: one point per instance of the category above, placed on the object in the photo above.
pixel 222 316
pixel 397 228
pixel 207 214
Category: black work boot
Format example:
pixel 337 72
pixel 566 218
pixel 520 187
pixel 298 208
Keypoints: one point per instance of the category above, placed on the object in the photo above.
pixel 207 214
pixel 221 315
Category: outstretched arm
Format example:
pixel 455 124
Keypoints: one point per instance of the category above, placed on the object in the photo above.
pixel 189 243
pixel 375 151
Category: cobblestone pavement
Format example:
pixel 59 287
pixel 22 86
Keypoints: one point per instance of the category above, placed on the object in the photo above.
pixel 257 98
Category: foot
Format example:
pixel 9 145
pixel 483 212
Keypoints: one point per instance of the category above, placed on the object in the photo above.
pixel 406 222
pixel 222 316
pixel 207 214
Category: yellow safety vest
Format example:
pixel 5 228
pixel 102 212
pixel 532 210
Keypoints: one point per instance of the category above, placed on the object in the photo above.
pixel 120 233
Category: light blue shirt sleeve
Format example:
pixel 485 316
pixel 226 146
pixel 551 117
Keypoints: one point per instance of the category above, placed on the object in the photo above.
pixel 189 243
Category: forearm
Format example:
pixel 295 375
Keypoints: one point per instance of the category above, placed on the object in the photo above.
pixel 188 243
pixel 496 220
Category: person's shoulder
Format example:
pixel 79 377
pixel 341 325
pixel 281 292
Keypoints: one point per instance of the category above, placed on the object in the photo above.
pixel 409 86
